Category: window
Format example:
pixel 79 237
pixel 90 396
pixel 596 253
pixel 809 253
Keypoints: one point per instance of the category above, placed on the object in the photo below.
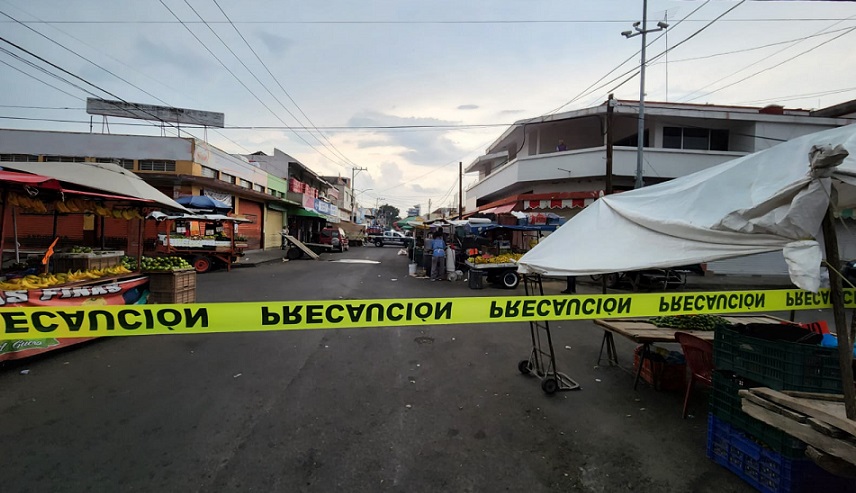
pixel 228 178
pixel 246 184
pixel 19 158
pixel 209 172
pixel 125 163
pixel 157 165
pixel 258 188
pixel 702 139
pixel 65 159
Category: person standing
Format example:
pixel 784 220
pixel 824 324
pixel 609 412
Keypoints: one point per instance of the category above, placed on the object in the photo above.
pixel 438 259
pixel 561 146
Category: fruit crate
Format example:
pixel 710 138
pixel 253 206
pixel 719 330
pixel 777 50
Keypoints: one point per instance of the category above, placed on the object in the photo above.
pixel 725 404
pixel 71 262
pixel 764 469
pixel 171 281
pixel 660 374
pixel 777 364
pixel 187 295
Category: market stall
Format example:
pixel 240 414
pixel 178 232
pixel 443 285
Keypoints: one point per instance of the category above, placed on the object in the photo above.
pixel 203 240
pixel 492 251
pixel 66 273
pixel 785 198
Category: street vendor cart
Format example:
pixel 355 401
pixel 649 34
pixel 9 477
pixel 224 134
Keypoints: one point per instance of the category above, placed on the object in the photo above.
pixel 493 250
pixel 62 267
pixel 204 240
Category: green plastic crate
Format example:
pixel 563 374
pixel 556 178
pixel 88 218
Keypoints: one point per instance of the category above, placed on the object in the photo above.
pixel 776 364
pixel 725 405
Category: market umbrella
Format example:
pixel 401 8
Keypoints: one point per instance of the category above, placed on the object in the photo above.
pixel 203 203
pixel 100 176
pixel 410 222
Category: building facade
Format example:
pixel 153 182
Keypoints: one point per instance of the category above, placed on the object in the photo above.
pixel 561 163
pixel 176 166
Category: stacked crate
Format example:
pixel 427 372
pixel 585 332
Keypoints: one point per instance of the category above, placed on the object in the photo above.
pixel 172 287
pixel 766 457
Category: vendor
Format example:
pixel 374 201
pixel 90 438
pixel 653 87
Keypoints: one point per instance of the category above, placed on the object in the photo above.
pixel 438 257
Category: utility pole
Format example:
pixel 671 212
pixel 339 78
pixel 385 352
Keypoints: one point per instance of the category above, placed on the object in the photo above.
pixel 353 195
pixel 460 189
pixel 429 209
pixel 610 105
pixel 641 128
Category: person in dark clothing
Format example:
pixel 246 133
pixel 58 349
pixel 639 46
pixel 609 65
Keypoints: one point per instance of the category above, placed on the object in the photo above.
pixel 572 285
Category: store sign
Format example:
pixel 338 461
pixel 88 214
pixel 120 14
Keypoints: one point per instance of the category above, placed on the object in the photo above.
pixel 106 107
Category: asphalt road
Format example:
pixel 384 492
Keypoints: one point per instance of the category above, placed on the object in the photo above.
pixel 433 408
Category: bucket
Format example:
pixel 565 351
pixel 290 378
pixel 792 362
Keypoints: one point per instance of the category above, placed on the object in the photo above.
pixel 411 269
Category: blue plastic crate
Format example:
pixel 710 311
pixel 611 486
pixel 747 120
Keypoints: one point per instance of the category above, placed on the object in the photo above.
pixel 764 469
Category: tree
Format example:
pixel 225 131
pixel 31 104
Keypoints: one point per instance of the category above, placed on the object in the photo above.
pixel 388 214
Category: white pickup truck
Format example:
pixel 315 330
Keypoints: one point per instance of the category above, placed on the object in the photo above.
pixel 390 238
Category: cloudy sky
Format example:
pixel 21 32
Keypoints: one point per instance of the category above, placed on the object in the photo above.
pixel 407 88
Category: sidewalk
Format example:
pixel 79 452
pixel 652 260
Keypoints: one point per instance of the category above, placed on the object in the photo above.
pixel 253 258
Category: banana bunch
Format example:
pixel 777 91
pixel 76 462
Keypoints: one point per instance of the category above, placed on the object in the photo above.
pixel 505 258
pixel 27 203
pixel 49 280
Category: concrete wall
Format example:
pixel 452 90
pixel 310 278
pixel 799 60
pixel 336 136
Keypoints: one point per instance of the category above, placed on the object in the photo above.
pixel 95 145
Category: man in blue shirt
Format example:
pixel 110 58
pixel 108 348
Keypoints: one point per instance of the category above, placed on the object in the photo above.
pixel 438 260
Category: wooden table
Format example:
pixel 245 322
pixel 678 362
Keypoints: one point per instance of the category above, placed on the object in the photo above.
pixel 642 331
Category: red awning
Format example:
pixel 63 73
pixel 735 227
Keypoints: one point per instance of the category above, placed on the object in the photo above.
pixel 30 179
pixel 504 209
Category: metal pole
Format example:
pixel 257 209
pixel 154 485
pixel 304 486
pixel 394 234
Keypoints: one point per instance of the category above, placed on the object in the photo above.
pixel 460 189
pixel 609 144
pixel 641 129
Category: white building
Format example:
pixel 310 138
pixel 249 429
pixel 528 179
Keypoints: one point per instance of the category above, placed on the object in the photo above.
pixel 560 163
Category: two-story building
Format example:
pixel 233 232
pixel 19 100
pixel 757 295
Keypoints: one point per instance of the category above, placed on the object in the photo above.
pixel 176 166
pixel 562 162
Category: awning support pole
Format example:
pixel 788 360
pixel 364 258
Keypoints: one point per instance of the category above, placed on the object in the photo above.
pixel 836 292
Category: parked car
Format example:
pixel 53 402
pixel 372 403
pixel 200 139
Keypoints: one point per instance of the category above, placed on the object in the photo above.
pixel 391 238
pixel 335 237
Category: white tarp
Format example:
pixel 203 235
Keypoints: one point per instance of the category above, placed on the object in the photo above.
pixel 108 177
pixel 763 202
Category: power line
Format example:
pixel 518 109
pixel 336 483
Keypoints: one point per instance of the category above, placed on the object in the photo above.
pixel 257 127
pixel 588 90
pixel 184 24
pixel 96 65
pixel 333 147
pixel 764 70
pixel 39 80
pixel 426 22
pixel 755 48
pixel 57 67
pixel 123 64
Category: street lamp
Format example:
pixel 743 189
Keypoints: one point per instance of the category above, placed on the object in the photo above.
pixel 639 27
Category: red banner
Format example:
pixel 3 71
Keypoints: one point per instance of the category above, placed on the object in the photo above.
pixel 128 292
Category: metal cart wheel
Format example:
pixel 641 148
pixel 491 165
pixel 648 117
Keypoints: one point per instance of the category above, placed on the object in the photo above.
pixel 510 280
pixel 201 264
pixel 293 253
pixel 523 366
pixel 549 385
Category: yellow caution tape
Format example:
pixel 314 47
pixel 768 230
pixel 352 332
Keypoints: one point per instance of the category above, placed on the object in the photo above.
pixel 203 318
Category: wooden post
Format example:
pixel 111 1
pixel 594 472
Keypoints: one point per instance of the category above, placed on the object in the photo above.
pixel 836 294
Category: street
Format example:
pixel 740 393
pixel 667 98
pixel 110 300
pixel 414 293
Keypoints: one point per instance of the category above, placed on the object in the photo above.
pixel 433 408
